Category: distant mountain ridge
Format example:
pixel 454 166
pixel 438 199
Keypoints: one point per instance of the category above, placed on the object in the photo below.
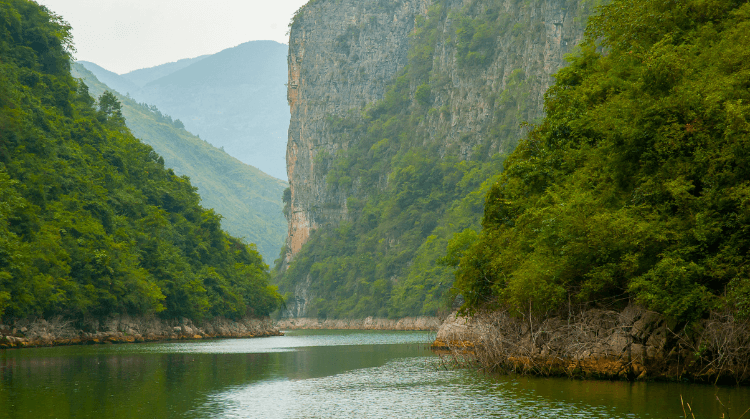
pixel 144 76
pixel 234 99
pixel 113 80
pixel 248 199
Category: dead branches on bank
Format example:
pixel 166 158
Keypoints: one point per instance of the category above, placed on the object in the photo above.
pixel 721 346
pixel 632 344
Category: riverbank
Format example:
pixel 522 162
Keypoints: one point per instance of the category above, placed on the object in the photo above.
pixel 634 344
pixel 126 329
pixel 369 323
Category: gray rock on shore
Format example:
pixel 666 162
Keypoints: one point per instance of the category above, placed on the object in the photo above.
pixel 126 329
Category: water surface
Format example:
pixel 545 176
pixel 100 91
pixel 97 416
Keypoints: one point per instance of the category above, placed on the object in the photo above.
pixel 324 374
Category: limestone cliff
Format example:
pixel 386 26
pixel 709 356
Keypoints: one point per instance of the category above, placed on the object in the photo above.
pixel 342 54
pixel 470 71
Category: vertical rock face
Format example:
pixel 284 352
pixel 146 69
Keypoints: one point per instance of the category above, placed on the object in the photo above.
pixel 480 85
pixel 513 75
pixel 342 54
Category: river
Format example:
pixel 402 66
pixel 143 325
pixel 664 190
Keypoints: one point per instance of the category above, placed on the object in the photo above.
pixel 316 374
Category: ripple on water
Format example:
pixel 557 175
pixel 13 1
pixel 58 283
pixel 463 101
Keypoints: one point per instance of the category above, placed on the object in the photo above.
pixel 289 342
pixel 403 388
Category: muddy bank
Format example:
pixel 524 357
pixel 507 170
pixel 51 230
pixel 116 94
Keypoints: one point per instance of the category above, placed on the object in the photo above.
pixel 634 344
pixel 125 329
pixel 369 323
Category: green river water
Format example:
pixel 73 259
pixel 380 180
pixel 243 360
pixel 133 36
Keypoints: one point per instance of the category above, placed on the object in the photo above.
pixel 316 374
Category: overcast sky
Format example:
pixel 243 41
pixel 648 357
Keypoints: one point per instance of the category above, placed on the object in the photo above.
pixel 125 35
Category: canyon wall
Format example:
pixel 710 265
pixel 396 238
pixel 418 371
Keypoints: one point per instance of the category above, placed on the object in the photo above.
pixel 472 72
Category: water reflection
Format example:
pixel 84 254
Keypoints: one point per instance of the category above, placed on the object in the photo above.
pixel 167 385
pixel 313 374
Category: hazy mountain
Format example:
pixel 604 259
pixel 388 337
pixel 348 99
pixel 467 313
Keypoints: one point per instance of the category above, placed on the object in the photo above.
pixel 248 199
pixel 112 80
pixel 147 75
pixel 234 99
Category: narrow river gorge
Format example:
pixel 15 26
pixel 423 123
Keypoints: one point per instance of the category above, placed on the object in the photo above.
pixel 316 374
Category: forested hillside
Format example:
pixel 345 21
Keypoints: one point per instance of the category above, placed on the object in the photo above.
pixel 394 179
pixel 91 222
pixel 248 200
pixel 636 186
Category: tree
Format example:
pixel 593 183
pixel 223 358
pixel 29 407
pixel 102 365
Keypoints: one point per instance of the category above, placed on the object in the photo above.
pixel 111 108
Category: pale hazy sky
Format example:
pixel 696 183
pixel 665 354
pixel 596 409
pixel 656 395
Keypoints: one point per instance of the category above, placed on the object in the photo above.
pixel 125 35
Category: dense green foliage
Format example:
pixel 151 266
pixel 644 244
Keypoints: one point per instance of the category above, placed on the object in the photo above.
pixel 636 186
pixel 91 223
pixel 409 185
pixel 248 199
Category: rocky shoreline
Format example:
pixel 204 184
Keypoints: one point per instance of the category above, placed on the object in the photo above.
pixel 632 344
pixel 28 333
pixel 369 323
pixel 126 329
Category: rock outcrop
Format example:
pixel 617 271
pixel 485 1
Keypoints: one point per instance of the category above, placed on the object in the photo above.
pixel 126 329
pixel 631 344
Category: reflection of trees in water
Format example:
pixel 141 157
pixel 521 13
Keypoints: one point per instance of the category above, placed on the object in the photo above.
pixel 121 386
